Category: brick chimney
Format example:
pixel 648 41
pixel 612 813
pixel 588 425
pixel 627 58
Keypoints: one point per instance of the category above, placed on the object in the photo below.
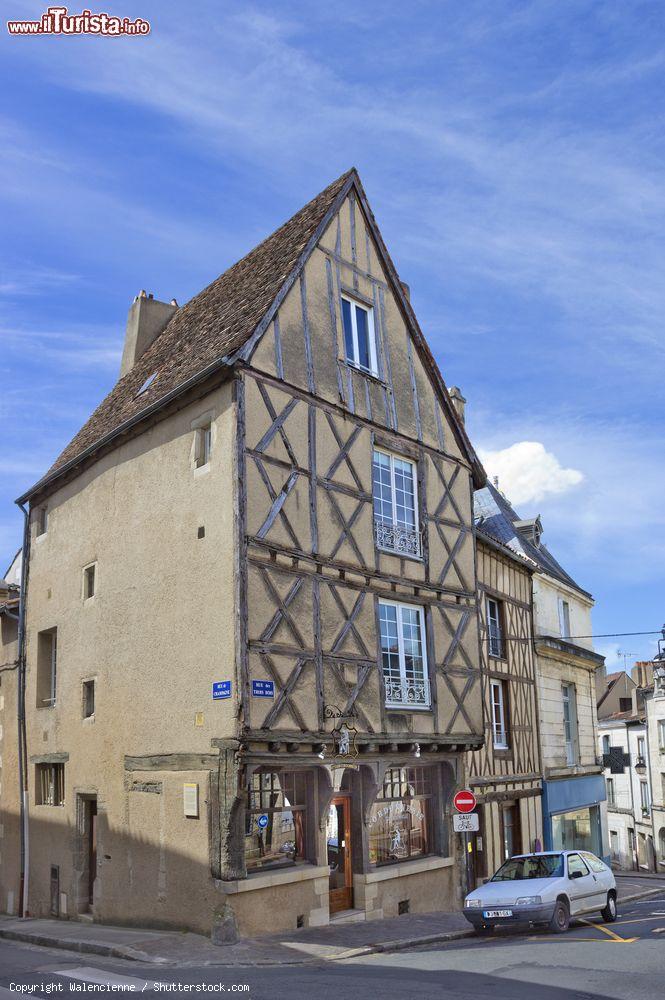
pixel 146 319
pixel 458 401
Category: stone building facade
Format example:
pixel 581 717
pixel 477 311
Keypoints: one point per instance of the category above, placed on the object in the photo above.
pixel 252 657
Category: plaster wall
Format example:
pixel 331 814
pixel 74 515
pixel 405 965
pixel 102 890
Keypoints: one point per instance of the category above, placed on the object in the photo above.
pixel 158 632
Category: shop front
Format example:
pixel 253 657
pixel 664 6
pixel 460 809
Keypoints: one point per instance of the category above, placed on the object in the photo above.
pixel 573 814
pixel 368 840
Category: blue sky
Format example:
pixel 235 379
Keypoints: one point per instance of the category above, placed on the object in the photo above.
pixel 513 154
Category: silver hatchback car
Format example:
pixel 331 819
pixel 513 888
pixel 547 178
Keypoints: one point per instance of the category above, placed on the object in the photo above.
pixel 545 888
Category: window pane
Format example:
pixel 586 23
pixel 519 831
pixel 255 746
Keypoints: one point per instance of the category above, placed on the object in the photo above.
pixel 348 330
pixel 404 493
pixel 412 641
pixel 362 327
pixel 389 643
pixel 275 831
pixel 398 830
pixel 383 500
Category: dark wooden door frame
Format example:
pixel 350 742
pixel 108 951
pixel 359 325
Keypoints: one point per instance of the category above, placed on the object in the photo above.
pixel 342 899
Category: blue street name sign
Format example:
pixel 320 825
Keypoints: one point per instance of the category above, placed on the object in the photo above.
pixel 221 689
pixel 263 689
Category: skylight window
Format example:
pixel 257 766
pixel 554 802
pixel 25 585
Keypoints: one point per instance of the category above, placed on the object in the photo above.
pixel 148 382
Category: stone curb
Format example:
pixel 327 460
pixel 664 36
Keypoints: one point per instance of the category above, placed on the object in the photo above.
pixel 135 955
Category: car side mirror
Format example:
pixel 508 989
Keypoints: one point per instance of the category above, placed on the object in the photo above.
pixel 577 874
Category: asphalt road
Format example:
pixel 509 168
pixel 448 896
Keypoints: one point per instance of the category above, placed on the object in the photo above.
pixel 592 961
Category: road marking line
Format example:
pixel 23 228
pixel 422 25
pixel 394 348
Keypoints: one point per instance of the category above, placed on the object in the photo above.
pixel 90 975
pixel 606 930
pixel 658 930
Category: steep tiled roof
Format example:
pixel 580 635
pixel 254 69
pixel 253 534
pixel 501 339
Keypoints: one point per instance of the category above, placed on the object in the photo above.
pixel 211 326
pixel 496 517
pixel 209 331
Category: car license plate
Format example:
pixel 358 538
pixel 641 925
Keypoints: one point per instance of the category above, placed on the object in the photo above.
pixel 497 913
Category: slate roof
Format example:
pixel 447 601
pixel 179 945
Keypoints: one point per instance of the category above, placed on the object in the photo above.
pixel 207 333
pixel 496 517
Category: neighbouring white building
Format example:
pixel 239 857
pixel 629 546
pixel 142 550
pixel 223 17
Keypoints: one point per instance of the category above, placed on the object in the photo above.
pixel 632 745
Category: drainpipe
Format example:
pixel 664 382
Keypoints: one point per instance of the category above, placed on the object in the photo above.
pixel 22 737
pixel 648 749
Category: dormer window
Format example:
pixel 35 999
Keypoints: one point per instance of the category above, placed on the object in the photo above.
pixel 146 385
pixel 359 337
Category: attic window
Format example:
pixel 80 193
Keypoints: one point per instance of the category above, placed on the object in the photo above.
pixel 148 382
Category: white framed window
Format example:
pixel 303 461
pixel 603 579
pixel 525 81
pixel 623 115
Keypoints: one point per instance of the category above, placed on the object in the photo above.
pixel 494 627
pixel 564 618
pixel 661 734
pixel 610 791
pixel 89 581
pixel 606 744
pixel 202 445
pixel 403 655
pixel 570 723
pixel 644 796
pixel 641 748
pixel 499 714
pixel 395 496
pixel 359 336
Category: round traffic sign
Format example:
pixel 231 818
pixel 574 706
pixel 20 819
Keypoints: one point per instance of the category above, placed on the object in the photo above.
pixel 262 821
pixel 464 801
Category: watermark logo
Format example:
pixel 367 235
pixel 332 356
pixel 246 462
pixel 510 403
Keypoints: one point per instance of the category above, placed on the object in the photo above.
pixel 58 21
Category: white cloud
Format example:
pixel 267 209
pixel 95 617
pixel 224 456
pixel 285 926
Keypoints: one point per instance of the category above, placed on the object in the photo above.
pixel 528 472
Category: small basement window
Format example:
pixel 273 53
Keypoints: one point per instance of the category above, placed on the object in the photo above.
pixel 203 445
pixel 88 699
pixel 49 784
pixel 89 581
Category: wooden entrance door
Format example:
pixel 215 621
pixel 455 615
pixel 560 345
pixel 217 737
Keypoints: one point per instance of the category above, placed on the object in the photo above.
pixel 338 835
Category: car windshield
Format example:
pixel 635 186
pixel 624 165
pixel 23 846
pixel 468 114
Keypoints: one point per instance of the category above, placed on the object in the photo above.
pixel 543 866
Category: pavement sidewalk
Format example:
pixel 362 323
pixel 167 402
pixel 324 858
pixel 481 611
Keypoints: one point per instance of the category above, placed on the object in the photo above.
pixel 314 944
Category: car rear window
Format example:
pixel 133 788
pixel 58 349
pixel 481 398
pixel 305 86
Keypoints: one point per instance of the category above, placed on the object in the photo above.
pixel 541 866
pixel 594 863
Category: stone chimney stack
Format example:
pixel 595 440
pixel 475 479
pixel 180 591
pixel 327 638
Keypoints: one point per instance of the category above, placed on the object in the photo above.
pixel 146 319
pixel 458 401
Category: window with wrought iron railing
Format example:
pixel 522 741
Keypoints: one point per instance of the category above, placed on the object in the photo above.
pixel 402 628
pixel 395 494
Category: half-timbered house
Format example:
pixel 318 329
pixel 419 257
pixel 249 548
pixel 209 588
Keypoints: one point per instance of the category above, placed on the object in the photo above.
pixel 254 566
pixel 505 774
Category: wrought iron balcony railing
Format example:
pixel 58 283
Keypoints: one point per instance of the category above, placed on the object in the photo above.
pixel 401 693
pixel 397 538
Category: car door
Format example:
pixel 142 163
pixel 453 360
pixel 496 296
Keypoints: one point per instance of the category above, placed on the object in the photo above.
pixel 602 875
pixel 582 887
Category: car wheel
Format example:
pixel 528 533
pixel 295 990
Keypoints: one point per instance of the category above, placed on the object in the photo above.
pixel 560 918
pixel 609 913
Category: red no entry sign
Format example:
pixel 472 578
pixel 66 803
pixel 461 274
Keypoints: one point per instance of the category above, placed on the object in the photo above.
pixel 464 801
